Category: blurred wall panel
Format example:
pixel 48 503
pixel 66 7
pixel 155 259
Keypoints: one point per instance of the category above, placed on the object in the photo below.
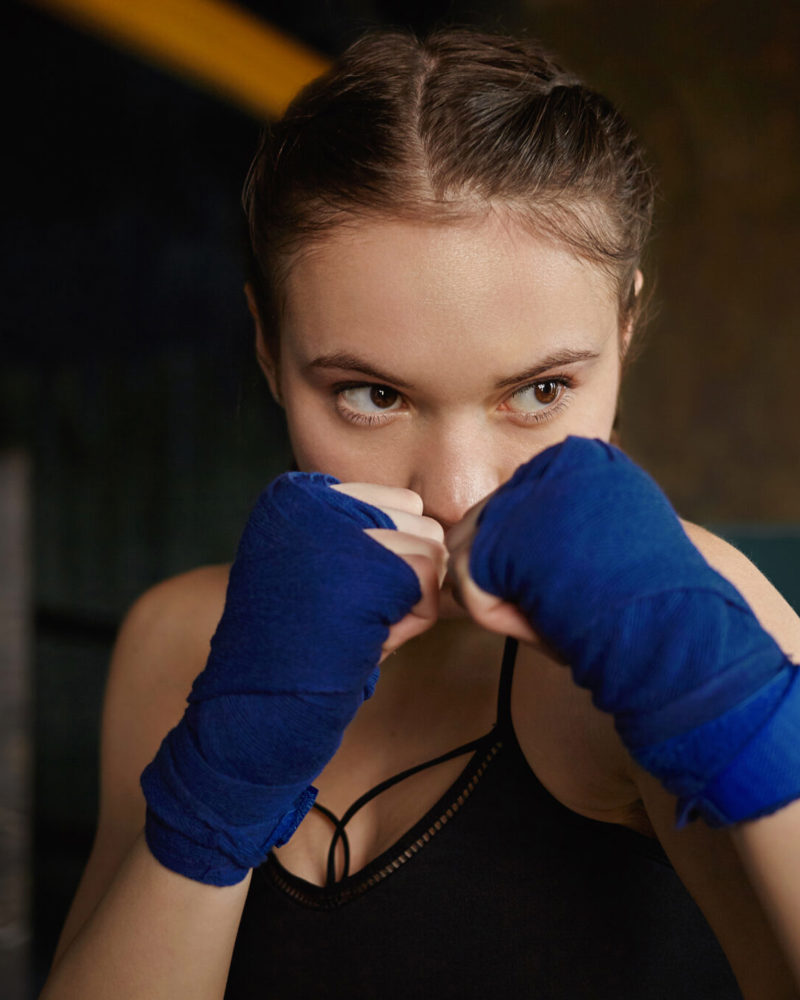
pixel 15 723
pixel 126 372
pixel 712 406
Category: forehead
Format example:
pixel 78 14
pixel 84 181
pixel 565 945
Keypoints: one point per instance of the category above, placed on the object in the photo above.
pixel 422 291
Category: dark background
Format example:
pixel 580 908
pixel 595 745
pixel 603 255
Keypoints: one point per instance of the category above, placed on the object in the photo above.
pixel 126 370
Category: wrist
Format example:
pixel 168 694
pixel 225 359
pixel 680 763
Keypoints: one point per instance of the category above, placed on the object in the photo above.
pixel 209 826
pixel 182 854
pixel 764 776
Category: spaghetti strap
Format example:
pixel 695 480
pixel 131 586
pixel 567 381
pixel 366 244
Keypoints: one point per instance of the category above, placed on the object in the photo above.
pixel 504 723
pixel 340 824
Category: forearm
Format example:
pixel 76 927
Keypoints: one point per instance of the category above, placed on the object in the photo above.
pixel 154 935
pixel 770 851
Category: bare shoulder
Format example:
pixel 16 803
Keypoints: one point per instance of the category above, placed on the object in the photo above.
pixel 774 613
pixel 167 630
pixel 162 645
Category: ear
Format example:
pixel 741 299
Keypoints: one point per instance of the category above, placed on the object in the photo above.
pixel 266 361
pixel 627 333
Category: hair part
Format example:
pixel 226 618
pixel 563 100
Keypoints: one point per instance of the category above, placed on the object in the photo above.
pixel 442 130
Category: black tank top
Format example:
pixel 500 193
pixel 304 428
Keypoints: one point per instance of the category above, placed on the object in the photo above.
pixel 498 891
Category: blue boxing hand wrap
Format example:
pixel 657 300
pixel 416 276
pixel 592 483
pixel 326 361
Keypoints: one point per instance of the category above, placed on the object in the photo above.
pixel 588 547
pixel 310 601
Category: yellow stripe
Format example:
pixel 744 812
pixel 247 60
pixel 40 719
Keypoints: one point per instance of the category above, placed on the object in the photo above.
pixel 213 42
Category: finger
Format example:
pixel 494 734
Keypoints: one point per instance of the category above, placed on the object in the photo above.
pixel 466 591
pixel 464 531
pixel 414 524
pixel 487 610
pixel 383 496
pixel 408 628
pixel 424 613
pixel 405 545
pixel 495 614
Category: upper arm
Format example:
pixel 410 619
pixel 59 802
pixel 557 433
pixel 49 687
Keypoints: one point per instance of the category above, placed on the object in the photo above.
pixel 706 860
pixel 772 611
pixel 709 865
pixel 161 647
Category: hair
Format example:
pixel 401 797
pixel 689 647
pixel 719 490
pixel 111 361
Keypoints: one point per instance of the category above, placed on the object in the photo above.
pixel 443 129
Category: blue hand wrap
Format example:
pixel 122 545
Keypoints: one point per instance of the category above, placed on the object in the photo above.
pixel 309 605
pixel 589 548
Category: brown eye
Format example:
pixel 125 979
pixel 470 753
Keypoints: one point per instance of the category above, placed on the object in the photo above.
pixel 382 397
pixel 370 400
pixel 546 392
pixel 537 398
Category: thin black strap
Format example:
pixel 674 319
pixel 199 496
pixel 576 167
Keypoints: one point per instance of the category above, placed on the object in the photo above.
pixel 339 824
pixel 503 722
pixel 504 688
pixel 339 833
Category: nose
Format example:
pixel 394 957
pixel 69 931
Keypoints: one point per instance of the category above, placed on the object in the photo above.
pixel 453 469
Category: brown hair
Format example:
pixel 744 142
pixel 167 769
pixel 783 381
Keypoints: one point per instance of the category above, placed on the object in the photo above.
pixel 441 129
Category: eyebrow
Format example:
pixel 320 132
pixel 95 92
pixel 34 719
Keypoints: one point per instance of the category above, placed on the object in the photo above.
pixel 558 359
pixel 351 362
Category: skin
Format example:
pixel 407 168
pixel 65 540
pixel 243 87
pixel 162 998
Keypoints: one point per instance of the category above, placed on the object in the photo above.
pixel 447 311
pixel 450 312
pixel 444 314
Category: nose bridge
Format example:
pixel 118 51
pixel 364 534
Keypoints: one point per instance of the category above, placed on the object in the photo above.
pixel 455 467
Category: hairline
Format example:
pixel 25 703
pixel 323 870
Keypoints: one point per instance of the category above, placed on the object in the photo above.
pixel 520 213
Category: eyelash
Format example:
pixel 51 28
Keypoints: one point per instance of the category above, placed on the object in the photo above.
pixel 566 383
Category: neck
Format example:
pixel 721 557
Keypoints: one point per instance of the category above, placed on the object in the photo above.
pixel 450 648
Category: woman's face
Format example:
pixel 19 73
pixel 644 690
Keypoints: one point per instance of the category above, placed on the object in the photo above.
pixel 441 357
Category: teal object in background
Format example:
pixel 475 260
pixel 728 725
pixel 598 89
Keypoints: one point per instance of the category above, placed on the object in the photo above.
pixel 774 548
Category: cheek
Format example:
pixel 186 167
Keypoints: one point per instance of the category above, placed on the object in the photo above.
pixel 595 416
pixel 321 443
pixel 314 447
pixel 313 440
pixel 599 422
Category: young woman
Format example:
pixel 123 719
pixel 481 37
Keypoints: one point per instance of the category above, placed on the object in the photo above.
pixel 446 241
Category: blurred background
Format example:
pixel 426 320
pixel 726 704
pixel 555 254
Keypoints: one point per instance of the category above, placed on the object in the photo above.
pixel 135 431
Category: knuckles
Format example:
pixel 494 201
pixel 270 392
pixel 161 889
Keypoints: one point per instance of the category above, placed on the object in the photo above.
pixel 383 496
